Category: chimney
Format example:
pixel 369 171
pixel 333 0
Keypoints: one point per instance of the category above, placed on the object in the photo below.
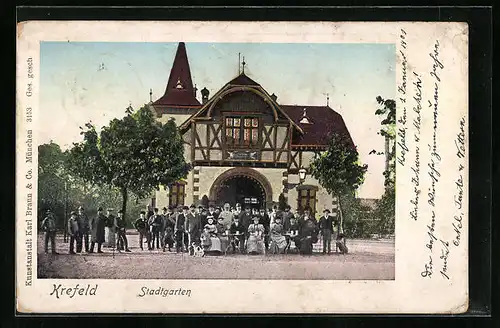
pixel 274 97
pixel 204 95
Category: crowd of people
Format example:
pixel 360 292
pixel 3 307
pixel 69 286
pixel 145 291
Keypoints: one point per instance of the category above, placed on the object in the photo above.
pixel 216 230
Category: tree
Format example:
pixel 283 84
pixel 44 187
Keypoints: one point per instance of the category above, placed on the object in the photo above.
pixel 385 207
pixel 388 131
pixel 134 154
pixel 337 169
pixel 51 180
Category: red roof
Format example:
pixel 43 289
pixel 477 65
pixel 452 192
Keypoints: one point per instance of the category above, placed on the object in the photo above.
pixel 180 90
pixel 324 121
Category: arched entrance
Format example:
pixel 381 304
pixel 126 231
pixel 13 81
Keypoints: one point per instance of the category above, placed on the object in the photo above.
pixel 241 185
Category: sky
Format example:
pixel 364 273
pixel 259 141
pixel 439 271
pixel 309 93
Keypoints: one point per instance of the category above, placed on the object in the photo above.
pixel 74 88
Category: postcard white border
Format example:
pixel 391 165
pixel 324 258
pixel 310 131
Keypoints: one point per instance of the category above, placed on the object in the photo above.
pixel 408 293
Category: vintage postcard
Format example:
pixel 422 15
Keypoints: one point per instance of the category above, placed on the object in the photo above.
pixel 242 167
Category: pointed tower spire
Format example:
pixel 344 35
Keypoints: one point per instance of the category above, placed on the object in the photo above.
pixel 180 74
pixel 180 90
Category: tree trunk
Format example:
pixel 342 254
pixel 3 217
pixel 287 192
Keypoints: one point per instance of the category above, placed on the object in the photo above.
pixel 124 201
pixel 341 224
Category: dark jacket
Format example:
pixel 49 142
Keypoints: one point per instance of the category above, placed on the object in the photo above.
pixel 266 222
pixel 245 220
pixel 141 225
pixel 168 221
pixel 286 216
pixel 192 222
pixel 97 225
pixel 239 228
pixel 110 221
pixel 180 222
pixel 83 223
pixel 326 223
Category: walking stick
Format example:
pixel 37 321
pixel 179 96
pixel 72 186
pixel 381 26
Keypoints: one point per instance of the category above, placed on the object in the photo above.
pixel 114 246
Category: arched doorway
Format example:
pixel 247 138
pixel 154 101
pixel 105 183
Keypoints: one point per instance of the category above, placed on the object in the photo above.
pixel 241 185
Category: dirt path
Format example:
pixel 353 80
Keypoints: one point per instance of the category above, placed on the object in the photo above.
pixel 366 260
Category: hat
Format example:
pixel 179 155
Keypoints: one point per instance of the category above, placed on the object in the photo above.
pixel 192 206
pixel 164 208
pixel 156 209
pixel 99 209
pixel 120 212
pixel 143 212
pixel 200 206
pixel 185 208
pixel 238 204
pixel 287 207
pixel 326 210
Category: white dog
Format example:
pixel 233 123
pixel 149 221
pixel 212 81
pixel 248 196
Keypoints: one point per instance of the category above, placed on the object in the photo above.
pixel 196 250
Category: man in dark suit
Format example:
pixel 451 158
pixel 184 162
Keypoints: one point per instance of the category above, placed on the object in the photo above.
pixel 246 218
pixel 97 226
pixel 266 222
pixel 193 222
pixel 180 229
pixel 326 229
pixel 121 236
pixel 287 216
pixel 239 230
pixel 155 221
pixel 169 228
pixel 83 230
pixel 141 225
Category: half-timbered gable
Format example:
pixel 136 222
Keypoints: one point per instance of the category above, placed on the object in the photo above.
pixel 240 125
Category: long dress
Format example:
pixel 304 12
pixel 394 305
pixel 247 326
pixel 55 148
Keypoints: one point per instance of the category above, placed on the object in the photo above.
pixel 278 241
pixel 255 241
pixel 224 240
pixel 308 236
pixel 215 241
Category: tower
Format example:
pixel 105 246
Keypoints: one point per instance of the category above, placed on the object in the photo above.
pixel 179 100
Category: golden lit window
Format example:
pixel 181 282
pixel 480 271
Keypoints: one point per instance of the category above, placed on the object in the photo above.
pixel 242 135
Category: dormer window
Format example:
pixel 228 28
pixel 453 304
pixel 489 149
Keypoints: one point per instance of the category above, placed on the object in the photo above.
pixel 305 119
pixel 179 84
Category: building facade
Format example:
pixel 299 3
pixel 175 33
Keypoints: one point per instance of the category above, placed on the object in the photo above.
pixel 244 145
